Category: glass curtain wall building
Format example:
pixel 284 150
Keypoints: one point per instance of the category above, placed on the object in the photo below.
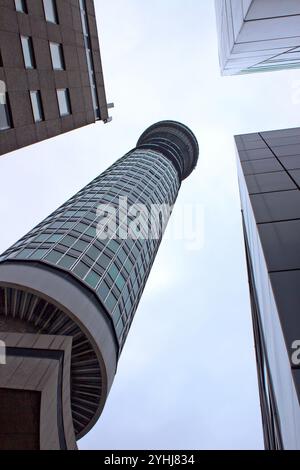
pixel 258 35
pixel 65 278
pixel 269 177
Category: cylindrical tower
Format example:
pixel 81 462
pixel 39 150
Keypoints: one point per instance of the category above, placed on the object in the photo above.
pixel 69 279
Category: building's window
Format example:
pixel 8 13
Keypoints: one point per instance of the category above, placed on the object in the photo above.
pixel 81 269
pixel 50 11
pixel 92 279
pixel 69 241
pixel 80 245
pixel 67 261
pixel 103 290
pixel 39 254
pixel 103 261
pixel 55 238
pixel 37 106
pixel 53 256
pixel 24 253
pixel 113 271
pixel 68 225
pixel 116 315
pixel 110 302
pixel 57 56
pixel 120 282
pixel 28 52
pixel 42 238
pixel 21 6
pixel 113 245
pixel 93 253
pixel 5 114
pixel 64 103
pixel 81 227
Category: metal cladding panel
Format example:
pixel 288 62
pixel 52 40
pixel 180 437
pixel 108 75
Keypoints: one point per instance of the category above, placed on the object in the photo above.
pixel 257 36
pixel 270 197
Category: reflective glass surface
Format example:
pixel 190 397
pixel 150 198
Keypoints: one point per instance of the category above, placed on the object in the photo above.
pixel 115 269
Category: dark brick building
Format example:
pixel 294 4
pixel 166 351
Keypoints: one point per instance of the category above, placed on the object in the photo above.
pixel 50 70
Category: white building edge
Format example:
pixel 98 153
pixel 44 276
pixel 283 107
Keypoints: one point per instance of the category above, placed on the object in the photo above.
pixel 258 35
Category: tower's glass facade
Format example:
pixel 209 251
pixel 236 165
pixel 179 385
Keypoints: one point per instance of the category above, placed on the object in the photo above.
pixel 115 269
pixel 110 270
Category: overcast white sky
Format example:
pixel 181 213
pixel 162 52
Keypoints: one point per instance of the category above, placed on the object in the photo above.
pixel 187 376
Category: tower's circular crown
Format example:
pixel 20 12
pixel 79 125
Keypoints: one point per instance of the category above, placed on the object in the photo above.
pixel 176 141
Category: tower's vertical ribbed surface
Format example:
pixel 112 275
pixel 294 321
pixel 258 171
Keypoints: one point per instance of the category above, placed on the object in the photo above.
pixel 65 278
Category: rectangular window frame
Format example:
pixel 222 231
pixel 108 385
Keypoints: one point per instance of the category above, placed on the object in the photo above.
pixel 53 6
pixel 68 102
pixel 21 6
pixel 38 114
pixel 7 110
pixel 28 53
pixel 61 56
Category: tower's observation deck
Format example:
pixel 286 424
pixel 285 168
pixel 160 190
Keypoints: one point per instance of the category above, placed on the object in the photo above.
pixel 175 141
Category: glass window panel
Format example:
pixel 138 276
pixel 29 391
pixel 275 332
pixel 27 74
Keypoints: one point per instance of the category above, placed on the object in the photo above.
pixel 64 103
pixel 128 306
pixel 28 53
pixel 119 328
pixel 57 56
pixel 80 227
pixel 69 224
pixel 68 240
pixel 103 261
pixel 5 117
pixel 136 288
pixel 113 272
pixel 80 245
pixel 89 216
pixel 125 293
pixel 24 253
pixel 110 302
pixel 93 253
pixel 128 265
pixel 67 261
pixel 116 314
pixel 92 279
pixel 113 245
pixel 91 232
pixel 55 238
pixel 50 11
pixel 81 269
pixel 122 255
pixel 53 256
pixel 21 6
pixel 103 290
pixel 56 225
pixel 120 282
pixel 39 254
pixel 37 106
pixel 70 213
pixel 42 237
